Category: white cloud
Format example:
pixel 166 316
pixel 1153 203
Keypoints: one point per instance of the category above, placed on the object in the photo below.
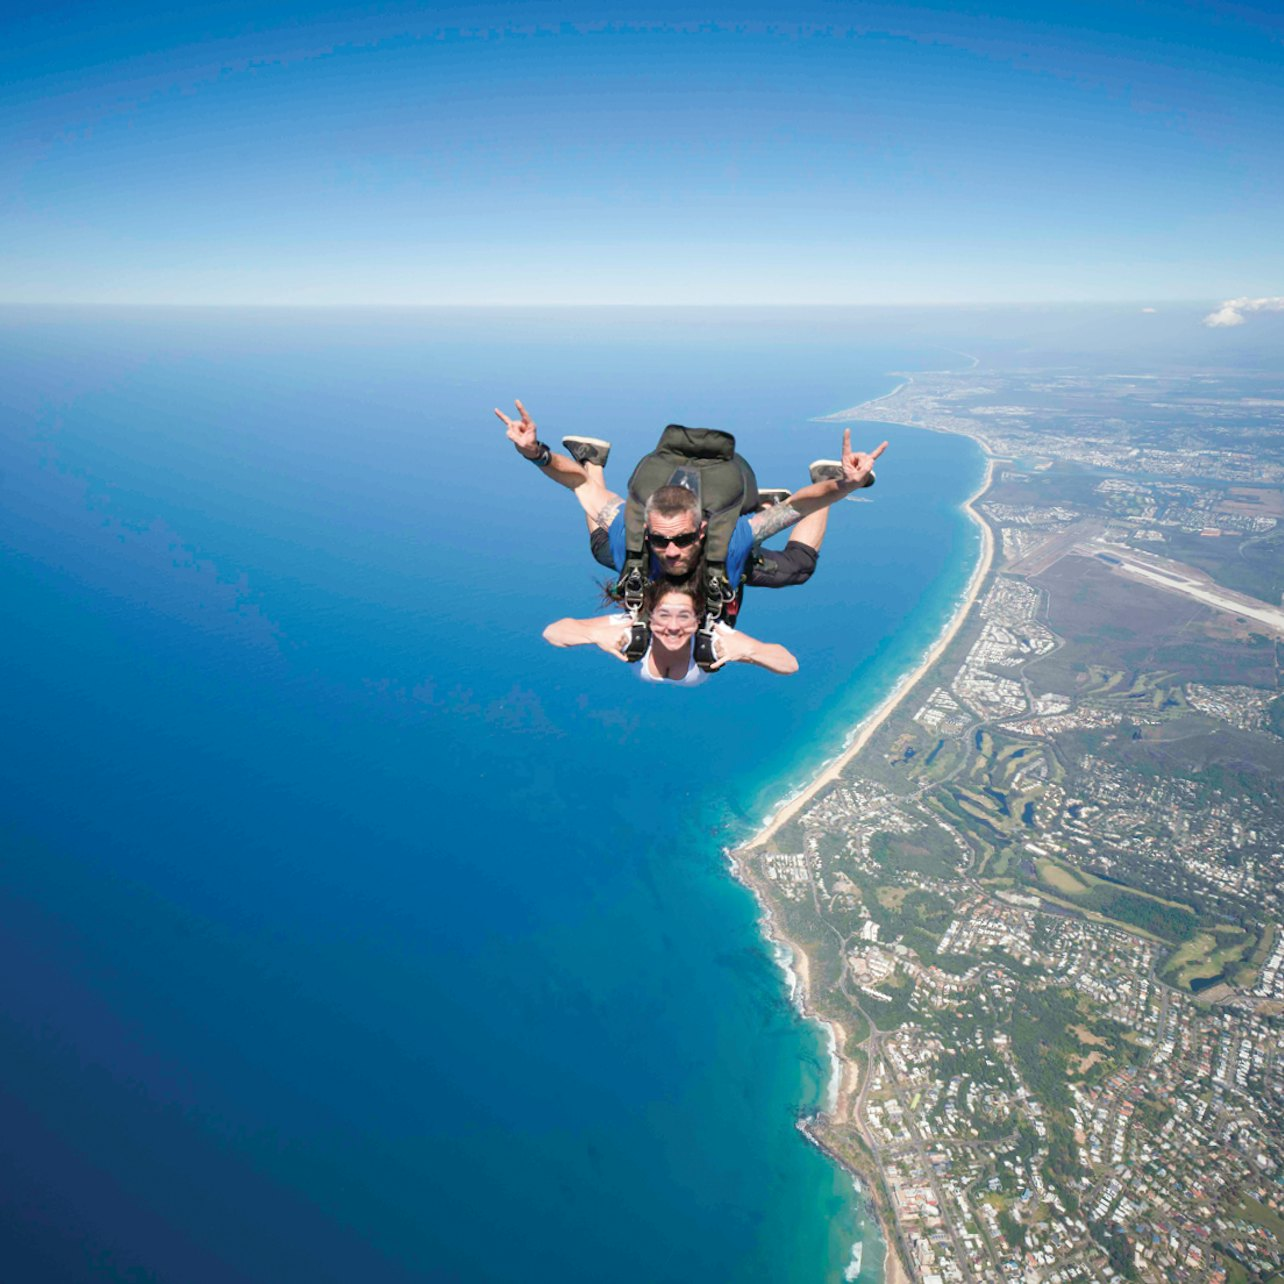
pixel 1149 309
pixel 1232 311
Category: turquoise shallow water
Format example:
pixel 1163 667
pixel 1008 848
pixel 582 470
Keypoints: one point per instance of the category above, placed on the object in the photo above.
pixel 347 930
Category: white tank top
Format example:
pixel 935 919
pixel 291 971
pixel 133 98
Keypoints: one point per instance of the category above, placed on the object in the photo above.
pixel 646 671
pixel 691 678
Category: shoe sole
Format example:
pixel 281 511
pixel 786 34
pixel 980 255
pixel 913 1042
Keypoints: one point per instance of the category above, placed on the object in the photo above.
pixel 832 470
pixel 773 495
pixel 597 452
pixel 825 470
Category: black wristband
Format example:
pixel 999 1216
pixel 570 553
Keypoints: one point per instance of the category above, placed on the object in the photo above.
pixel 542 459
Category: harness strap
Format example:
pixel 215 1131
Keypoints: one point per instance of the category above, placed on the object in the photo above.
pixel 722 605
pixel 705 460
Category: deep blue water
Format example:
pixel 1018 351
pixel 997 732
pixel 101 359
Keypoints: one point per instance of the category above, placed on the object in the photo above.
pixel 347 931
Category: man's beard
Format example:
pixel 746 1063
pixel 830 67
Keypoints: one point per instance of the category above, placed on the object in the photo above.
pixel 693 575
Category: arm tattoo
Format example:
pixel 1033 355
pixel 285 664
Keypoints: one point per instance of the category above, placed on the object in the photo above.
pixel 773 520
pixel 606 514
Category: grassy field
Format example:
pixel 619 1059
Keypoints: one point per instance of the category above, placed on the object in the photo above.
pixel 996 865
pixel 1253 1211
pixel 1264 947
pixel 892 898
pixel 1127 907
pixel 1093 917
pixel 1207 955
pixel 1086 882
pixel 1060 878
pixel 1086 1036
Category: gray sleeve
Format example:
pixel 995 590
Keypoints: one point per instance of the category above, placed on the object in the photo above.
pixel 600 545
pixel 783 568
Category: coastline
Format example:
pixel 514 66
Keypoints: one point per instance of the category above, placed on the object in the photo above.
pixel 833 770
pixel 839 416
pixel 843 1088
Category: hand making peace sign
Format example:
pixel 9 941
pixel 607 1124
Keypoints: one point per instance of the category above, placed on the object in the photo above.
pixel 521 432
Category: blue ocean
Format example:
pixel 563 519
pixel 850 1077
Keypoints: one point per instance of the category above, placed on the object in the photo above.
pixel 347 930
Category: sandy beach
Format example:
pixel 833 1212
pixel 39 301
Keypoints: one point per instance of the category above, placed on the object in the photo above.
pixel 894 1271
pixel 870 724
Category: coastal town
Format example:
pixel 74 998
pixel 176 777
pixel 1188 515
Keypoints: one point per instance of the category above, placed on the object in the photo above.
pixel 1037 899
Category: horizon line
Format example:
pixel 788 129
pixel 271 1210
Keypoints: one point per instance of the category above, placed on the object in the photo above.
pixel 1140 301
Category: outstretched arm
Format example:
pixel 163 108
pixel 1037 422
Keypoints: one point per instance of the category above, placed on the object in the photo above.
pixel 730 646
pixel 599 504
pixel 525 438
pixel 858 471
pixel 607 632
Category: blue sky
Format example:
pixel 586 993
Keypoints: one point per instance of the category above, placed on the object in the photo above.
pixel 407 154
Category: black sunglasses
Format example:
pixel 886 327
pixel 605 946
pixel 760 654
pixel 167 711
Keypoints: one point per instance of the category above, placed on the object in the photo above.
pixel 684 540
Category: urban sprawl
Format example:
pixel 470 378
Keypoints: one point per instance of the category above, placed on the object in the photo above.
pixel 1041 904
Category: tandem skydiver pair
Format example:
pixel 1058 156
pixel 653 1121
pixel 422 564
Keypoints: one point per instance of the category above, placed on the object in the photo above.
pixel 686 542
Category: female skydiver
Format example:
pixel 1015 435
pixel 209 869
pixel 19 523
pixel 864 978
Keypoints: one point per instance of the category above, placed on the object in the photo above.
pixel 675 611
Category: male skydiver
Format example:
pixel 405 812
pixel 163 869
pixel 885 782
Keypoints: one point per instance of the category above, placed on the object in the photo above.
pixel 674 522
